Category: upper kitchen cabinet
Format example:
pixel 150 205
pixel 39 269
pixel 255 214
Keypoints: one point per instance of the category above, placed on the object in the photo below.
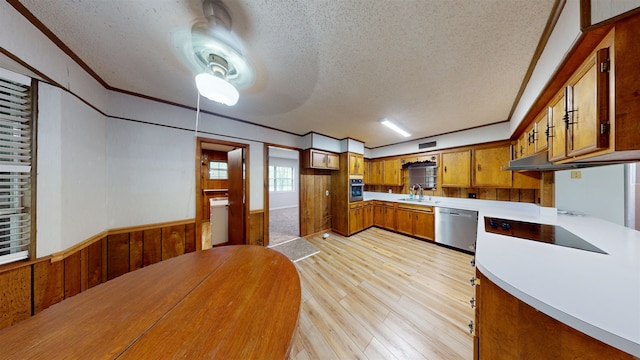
pixel 356 165
pixel 557 146
pixel 317 159
pixel 386 172
pixel 456 168
pixel 489 166
pixel 586 117
pixel 392 172
pixel 593 101
pixel 367 172
pixel 541 132
pixel 376 172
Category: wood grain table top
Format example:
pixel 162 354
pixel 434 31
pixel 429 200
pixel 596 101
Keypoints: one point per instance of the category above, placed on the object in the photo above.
pixel 233 302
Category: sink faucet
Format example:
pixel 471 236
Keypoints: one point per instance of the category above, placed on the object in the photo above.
pixel 420 194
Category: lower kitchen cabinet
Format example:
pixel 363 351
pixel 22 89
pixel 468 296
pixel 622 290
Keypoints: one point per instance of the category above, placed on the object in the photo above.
pixel 507 328
pixel 368 214
pixel 356 217
pixel 424 224
pixel 360 216
pixel 384 215
pixel 416 220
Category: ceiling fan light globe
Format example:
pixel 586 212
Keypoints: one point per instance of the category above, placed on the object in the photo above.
pixel 217 89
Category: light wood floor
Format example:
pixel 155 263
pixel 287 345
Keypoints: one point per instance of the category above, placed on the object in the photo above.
pixel 380 295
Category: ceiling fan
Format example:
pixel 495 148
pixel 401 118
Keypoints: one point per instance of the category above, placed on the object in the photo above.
pixel 216 55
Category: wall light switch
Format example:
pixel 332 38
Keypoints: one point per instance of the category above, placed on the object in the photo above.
pixel 576 174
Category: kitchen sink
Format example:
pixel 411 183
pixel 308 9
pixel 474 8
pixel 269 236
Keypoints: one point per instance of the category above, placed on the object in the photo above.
pixel 424 201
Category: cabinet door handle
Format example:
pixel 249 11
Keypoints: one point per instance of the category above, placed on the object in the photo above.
pixel 473 281
pixel 445 169
pixel 479 168
pixel 471 327
pixel 473 262
pixel 472 302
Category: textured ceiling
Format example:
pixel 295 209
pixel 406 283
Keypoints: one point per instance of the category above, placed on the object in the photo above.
pixel 333 67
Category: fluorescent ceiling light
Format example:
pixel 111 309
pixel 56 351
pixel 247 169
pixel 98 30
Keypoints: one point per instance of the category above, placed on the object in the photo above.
pixel 394 127
pixel 217 89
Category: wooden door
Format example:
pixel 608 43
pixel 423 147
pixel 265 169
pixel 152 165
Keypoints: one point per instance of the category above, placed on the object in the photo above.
pixel 368 215
pixel 557 130
pixel 355 218
pixel 540 128
pixel 456 168
pixel 490 165
pixel 423 224
pixel 392 172
pixel 367 172
pixel 376 172
pixel 589 96
pixel 356 164
pixel 390 217
pixel 378 215
pixel 529 140
pixel 237 212
pixel 404 218
pixel 318 159
pixel 333 161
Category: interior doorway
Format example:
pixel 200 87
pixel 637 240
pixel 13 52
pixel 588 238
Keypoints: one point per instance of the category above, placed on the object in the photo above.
pixel 222 200
pixel 283 195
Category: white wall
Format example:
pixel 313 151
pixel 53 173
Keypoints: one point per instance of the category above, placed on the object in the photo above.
pixel 151 174
pixel 605 9
pixel 278 200
pixel 489 133
pixel 599 192
pixel 71 180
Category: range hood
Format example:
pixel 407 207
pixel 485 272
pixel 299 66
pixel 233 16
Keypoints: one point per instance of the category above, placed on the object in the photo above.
pixel 540 162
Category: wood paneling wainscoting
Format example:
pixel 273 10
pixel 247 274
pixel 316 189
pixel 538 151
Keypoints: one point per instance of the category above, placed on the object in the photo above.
pixel 26 288
pixel 315 205
pixel 256 227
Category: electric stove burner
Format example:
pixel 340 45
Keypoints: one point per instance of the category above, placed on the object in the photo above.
pixel 550 234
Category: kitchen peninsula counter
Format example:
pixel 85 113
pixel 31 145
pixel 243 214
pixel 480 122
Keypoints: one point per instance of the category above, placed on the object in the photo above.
pixel 597 294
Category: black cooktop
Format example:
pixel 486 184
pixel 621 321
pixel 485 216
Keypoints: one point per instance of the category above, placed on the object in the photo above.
pixel 552 234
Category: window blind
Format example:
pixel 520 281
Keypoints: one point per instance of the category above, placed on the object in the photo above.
pixel 15 170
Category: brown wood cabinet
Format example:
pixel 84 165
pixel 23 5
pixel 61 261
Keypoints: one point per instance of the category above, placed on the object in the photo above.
pixel 356 217
pixel 367 172
pixel 540 130
pixel 424 224
pixel 507 328
pixel 377 168
pixel 384 214
pixel 390 216
pixel 588 104
pixel 318 159
pixel 404 220
pixel 368 214
pixel 415 220
pixel 557 131
pixel 456 168
pixel 386 172
pixel 489 166
pixel 392 172
pixel 378 214
pixel 356 164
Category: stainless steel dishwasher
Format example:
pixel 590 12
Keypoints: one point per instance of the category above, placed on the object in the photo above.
pixel 457 228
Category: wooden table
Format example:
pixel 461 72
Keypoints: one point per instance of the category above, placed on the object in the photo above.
pixel 233 302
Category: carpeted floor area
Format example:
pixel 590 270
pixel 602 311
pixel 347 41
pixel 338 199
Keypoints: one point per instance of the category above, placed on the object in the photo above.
pixel 296 249
pixel 283 225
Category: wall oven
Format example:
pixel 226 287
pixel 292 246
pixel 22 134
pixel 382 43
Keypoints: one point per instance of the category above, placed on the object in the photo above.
pixel 356 189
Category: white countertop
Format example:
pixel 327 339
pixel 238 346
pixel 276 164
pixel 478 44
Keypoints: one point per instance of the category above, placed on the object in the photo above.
pixel 594 293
